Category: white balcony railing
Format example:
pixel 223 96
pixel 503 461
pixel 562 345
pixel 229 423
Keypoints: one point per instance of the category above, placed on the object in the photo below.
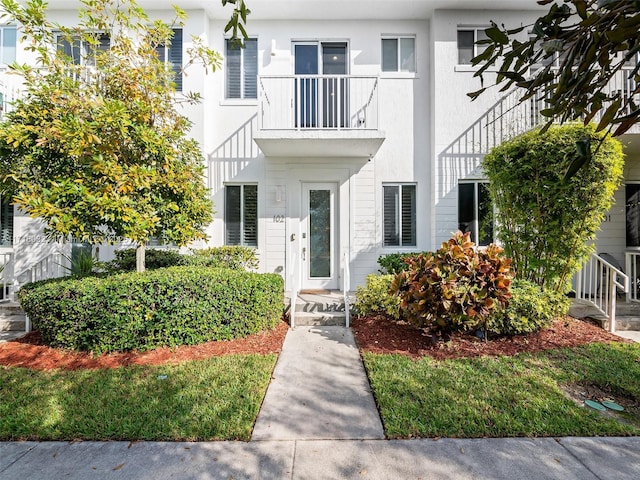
pixel 317 102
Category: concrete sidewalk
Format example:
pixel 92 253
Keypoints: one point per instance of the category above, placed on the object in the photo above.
pixel 460 459
pixel 319 390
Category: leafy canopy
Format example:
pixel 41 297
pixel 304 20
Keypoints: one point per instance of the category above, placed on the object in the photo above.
pixel 593 40
pixel 95 146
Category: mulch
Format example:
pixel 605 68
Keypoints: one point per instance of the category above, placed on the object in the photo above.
pixel 376 333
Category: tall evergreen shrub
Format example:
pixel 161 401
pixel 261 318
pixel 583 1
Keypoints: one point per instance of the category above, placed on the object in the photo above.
pixel 544 220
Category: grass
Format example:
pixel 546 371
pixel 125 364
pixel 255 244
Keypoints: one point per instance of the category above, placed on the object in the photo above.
pixel 212 399
pixel 506 396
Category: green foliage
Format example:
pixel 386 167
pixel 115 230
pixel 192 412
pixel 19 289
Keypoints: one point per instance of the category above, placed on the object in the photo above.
pixel 82 264
pixel 394 263
pixel 375 297
pixel 456 288
pixel 125 260
pixel 529 309
pixel 235 257
pixel 545 221
pixel 594 39
pixel 98 150
pixel 166 307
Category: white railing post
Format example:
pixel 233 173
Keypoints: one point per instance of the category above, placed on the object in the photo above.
pixel 612 300
pixel 345 289
pixel 294 291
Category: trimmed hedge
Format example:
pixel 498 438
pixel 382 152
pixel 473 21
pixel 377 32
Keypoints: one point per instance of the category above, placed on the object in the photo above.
pixel 374 297
pixel 166 307
pixel 394 263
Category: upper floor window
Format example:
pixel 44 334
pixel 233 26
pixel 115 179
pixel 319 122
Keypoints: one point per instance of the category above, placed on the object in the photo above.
pixel 241 215
pixel 399 215
pixel 475 212
pixel 399 54
pixel 171 55
pixel 7 44
pixel 242 69
pixel 6 223
pixel 467 48
pixel 81 51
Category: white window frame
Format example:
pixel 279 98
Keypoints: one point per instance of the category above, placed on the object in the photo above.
pixel 399 69
pixel 475 232
pixel 243 73
pixel 398 215
pixel 3 29
pixel 477 49
pixel 242 209
pixel 166 59
pixel 84 49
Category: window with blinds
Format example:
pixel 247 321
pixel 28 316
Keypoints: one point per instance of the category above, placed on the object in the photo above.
pixel 241 69
pixel 475 212
pixel 399 215
pixel 241 215
pixel 171 55
pixel 6 223
pixel 83 52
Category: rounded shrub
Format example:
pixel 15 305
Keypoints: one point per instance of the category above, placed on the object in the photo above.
pixel 394 263
pixel 530 308
pixel 375 297
pixel 165 307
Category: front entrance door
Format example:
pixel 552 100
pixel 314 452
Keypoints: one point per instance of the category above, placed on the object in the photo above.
pixel 318 230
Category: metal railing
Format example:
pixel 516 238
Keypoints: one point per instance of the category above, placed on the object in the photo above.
pixel 6 281
pixel 295 287
pixel 597 283
pixel 632 266
pixel 318 102
pixel 346 282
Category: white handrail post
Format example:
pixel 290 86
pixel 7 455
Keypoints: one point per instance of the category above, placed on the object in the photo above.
pixel 294 292
pixel 612 300
pixel 345 288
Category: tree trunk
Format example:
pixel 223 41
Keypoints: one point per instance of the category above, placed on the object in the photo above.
pixel 140 251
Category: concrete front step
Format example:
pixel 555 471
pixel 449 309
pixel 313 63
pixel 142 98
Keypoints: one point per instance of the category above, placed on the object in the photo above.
pixel 12 317
pixel 320 319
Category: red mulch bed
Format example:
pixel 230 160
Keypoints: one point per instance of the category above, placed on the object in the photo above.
pixel 377 334
pixel 381 334
pixel 29 352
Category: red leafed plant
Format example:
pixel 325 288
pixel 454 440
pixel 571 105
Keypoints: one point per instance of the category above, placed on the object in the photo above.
pixel 456 288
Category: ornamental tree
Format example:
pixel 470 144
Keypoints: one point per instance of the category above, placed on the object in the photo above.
pixel 546 222
pixel 95 146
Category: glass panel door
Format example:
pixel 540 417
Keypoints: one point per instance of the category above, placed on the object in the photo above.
pixel 335 85
pixel 319 234
pixel 306 85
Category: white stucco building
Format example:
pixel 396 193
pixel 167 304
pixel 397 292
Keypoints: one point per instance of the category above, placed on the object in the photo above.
pixel 342 132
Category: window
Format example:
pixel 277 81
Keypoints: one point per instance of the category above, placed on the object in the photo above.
pixel 171 55
pixel 632 212
pixel 6 223
pixel 554 59
pixel 467 48
pixel 81 52
pixel 399 54
pixel 242 69
pixel 7 44
pixel 399 215
pixel 241 215
pixel 475 212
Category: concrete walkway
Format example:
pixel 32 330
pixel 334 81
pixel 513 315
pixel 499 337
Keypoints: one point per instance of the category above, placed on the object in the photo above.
pixel 319 390
pixel 446 459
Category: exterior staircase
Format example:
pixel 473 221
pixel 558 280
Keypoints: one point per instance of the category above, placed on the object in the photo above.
pixel 12 321
pixel 320 308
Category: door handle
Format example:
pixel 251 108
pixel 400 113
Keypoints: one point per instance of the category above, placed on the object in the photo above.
pixel 304 254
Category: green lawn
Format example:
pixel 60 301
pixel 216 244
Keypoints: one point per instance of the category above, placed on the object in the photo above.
pixel 218 398
pixel 506 396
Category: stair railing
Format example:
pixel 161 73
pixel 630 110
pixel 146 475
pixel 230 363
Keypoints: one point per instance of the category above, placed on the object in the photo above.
pixel 295 287
pixel 6 281
pixel 597 284
pixel 346 279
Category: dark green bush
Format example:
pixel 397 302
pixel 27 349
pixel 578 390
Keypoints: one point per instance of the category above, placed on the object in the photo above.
pixel 374 297
pixel 125 260
pixel 233 257
pixel 530 308
pixel 165 307
pixel 394 263
pixel 456 288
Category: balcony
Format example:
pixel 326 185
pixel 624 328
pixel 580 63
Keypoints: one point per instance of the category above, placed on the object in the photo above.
pixel 318 116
